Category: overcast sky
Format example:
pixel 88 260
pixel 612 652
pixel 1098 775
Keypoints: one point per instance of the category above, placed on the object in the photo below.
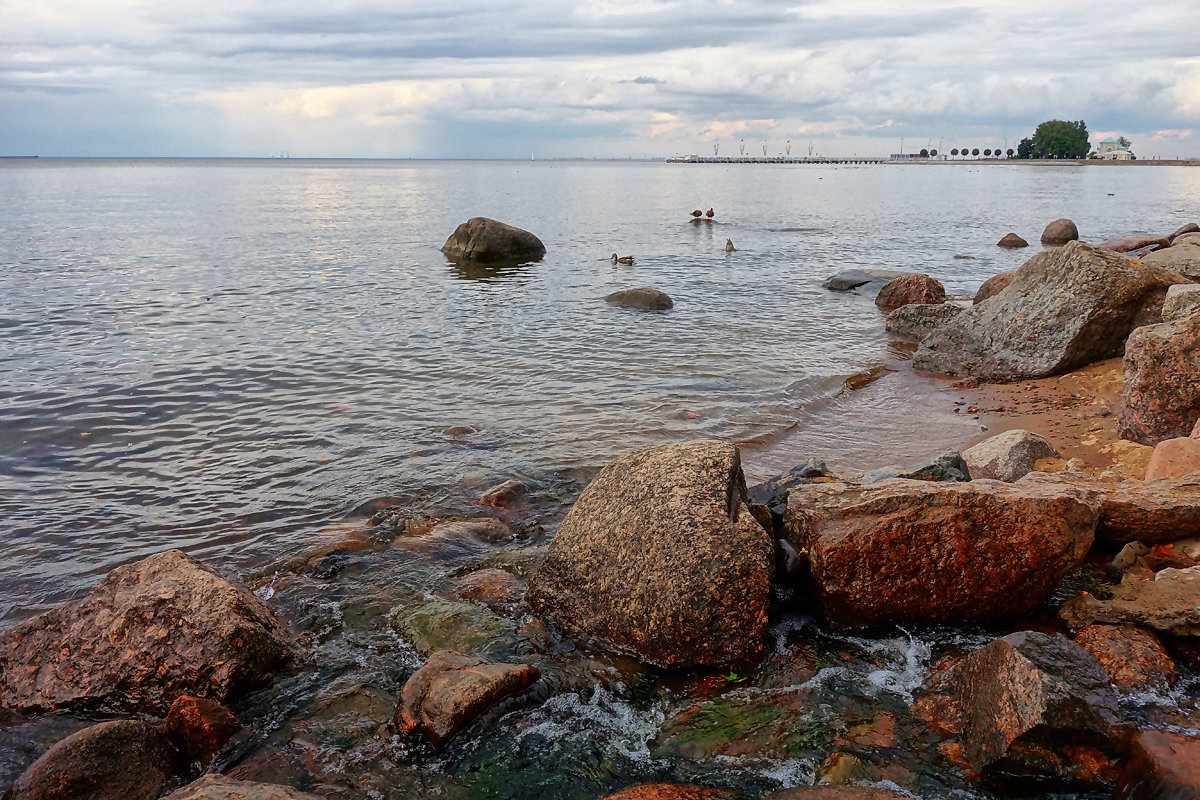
pixel 480 78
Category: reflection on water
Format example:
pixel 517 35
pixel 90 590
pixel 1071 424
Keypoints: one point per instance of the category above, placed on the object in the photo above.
pixel 489 272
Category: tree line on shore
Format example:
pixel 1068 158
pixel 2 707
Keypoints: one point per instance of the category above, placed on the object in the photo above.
pixel 1054 138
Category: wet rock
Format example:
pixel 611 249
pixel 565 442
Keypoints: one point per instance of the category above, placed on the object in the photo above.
pixel 904 550
pixel 835 793
pixel 1174 458
pixel 917 320
pixel 1182 257
pixel 1182 300
pixel 1160 394
pixel 661 559
pixel 854 278
pixel 451 689
pixel 462 627
pixel 1131 657
pixel 148 633
pixel 910 289
pixel 1012 240
pixel 947 466
pixel 486 240
pixel 1007 456
pixel 1059 232
pixel 454 538
pixel 1126 244
pixel 219 787
pixel 767 500
pixel 1167 602
pixel 669 791
pixel 1162 766
pixel 120 760
pixel 1039 706
pixel 503 495
pixel 642 299
pixel 491 587
pixel 1063 309
pixel 200 729
pixel 993 286
pixel 1152 512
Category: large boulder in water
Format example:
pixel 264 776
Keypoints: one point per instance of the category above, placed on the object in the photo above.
pixel 1160 394
pixel 120 760
pixel 148 633
pixel 661 559
pixel 641 299
pixel 1040 707
pixel 1059 232
pixel 1064 308
pixel 1012 240
pixel 486 240
pixel 905 550
pixel 909 289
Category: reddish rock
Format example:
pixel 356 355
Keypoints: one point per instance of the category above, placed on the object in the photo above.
pixel 1131 657
pixel 905 550
pixel 1063 309
pixel 219 787
pixel 1191 227
pixel 1151 512
pixel 148 633
pixel 503 495
pixel 451 689
pixel 1167 601
pixel 660 558
pixel 491 587
pixel 1012 240
pixel 1039 707
pixel 120 760
pixel 1161 766
pixel 1182 300
pixel 909 289
pixel 1126 244
pixel 993 286
pixel 1059 232
pixel 1160 395
pixel 199 728
pixel 835 793
pixel 1174 458
pixel 669 791
pixel 1195 434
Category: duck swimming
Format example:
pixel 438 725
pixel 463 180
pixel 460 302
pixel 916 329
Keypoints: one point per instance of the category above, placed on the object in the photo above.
pixel 709 213
pixel 621 259
pixel 697 213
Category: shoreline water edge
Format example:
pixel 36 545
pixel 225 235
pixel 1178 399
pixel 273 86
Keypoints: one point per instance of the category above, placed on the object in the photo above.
pixel 1017 618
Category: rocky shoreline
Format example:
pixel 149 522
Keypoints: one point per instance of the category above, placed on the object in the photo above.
pixel 1050 572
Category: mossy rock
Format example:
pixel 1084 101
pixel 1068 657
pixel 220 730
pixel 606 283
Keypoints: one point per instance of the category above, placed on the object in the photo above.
pixel 732 725
pixel 462 627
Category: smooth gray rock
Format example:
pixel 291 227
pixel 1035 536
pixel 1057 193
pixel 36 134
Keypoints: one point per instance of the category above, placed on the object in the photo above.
pixel 1059 232
pixel 641 299
pixel 853 278
pixel 1063 309
pixel 918 320
pixel 1183 300
pixel 486 240
pixel 1012 240
pixel 1007 456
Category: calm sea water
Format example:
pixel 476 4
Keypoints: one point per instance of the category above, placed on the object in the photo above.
pixel 224 356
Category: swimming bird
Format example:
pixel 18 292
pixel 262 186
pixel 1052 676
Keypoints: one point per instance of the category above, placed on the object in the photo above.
pixel 729 248
pixel 709 213
pixel 622 259
pixel 697 213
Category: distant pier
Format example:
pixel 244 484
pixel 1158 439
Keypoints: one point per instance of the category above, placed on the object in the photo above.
pixel 773 160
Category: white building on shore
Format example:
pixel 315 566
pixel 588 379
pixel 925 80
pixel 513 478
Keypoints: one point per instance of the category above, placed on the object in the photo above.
pixel 1112 150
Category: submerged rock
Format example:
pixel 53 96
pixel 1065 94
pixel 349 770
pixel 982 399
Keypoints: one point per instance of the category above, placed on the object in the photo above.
pixel 854 278
pixel 660 558
pixel 1183 258
pixel 905 550
pixel 918 320
pixel 486 240
pixel 451 689
pixel 1007 456
pixel 462 627
pixel 643 299
pixel 1162 765
pixel 1012 240
pixel 993 286
pixel 1039 707
pixel 218 787
pixel 119 760
pixel 148 633
pixel 1064 308
pixel 909 289
pixel 1160 394
pixel 1131 657
pixel 1061 231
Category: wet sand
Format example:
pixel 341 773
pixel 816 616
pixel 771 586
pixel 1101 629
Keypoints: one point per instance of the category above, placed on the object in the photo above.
pixel 1076 412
